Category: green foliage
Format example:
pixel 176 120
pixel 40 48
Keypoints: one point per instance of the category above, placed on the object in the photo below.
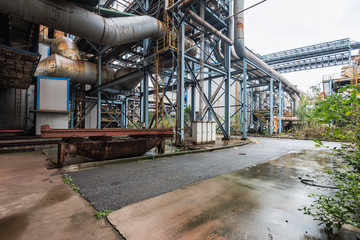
pixel 308 126
pixel 341 113
pixel 102 214
pixel 68 180
pixel 187 114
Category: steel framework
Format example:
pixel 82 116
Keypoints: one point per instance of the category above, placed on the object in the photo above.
pixel 240 95
pixel 187 65
pixel 320 55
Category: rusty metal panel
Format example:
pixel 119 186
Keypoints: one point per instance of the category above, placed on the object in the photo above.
pixel 103 150
pixel 46 131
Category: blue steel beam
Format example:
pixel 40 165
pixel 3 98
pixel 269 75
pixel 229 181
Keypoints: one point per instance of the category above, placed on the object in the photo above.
pixel 244 99
pixel 144 114
pixel 209 95
pixel 271 105
pixel 180 133
pixel 313 63
pixel 320 55
pixel 227 90
pixel 280 108
pixel 99 95
pixel 315 50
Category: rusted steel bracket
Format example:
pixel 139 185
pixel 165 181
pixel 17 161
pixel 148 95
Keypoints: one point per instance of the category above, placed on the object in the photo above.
pixel 161 146
pixel 63 149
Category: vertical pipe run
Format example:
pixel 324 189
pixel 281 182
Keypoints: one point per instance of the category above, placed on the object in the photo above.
pixel 271 104
pixel 99 95
pixel 180 86
pixel 280 107
pixel 244 99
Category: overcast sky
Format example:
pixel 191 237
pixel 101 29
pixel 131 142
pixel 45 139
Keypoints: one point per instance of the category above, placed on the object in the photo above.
pixel 278 25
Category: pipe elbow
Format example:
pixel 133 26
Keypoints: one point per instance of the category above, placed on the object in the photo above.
pixel 240 48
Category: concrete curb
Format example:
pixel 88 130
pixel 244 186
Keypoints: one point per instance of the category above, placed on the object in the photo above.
pixel 88 165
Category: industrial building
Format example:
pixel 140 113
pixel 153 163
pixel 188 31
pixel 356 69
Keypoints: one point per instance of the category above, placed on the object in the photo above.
pixel 145 65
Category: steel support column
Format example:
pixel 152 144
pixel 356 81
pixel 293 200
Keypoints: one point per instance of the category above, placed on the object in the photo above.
pixel 227 91
pixel 252 107
pixel 271 105
pixel 280 107
pixel 72 106
pixel 244 122
pixel 99 95
pixel 202 59
pixel 144 114
pixel 180 86
pixel 209 93
pixel 123 117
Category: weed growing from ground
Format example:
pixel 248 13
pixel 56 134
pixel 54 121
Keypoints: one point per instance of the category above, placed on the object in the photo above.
pixel 68 180
pixel 102 214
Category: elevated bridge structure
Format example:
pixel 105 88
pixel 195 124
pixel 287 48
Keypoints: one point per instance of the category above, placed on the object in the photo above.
pixel 327 54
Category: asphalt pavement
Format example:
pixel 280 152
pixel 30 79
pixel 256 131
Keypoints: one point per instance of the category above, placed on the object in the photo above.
pixel 115 186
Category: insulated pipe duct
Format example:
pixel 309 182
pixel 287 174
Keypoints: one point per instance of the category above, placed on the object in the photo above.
pixel 61 64
pixel 78 71
pixel 241 51
pixel 65 47
pixel 68 17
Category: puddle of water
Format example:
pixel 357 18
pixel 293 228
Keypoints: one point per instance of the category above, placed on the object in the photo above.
pixel 13 227
pixel 265 198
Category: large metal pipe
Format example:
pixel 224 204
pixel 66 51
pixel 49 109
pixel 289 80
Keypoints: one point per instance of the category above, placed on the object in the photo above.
pixel 65 47
pixel 242 52
pixel 78 71
pixel 68 17
pixel 86 72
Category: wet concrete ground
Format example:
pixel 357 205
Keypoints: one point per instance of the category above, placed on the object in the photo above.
pixel 35 203
pixel 199 196
pixel 118 185
pixel 258 202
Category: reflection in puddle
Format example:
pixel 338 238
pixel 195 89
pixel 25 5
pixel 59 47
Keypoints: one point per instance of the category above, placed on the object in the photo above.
pixel 272 194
